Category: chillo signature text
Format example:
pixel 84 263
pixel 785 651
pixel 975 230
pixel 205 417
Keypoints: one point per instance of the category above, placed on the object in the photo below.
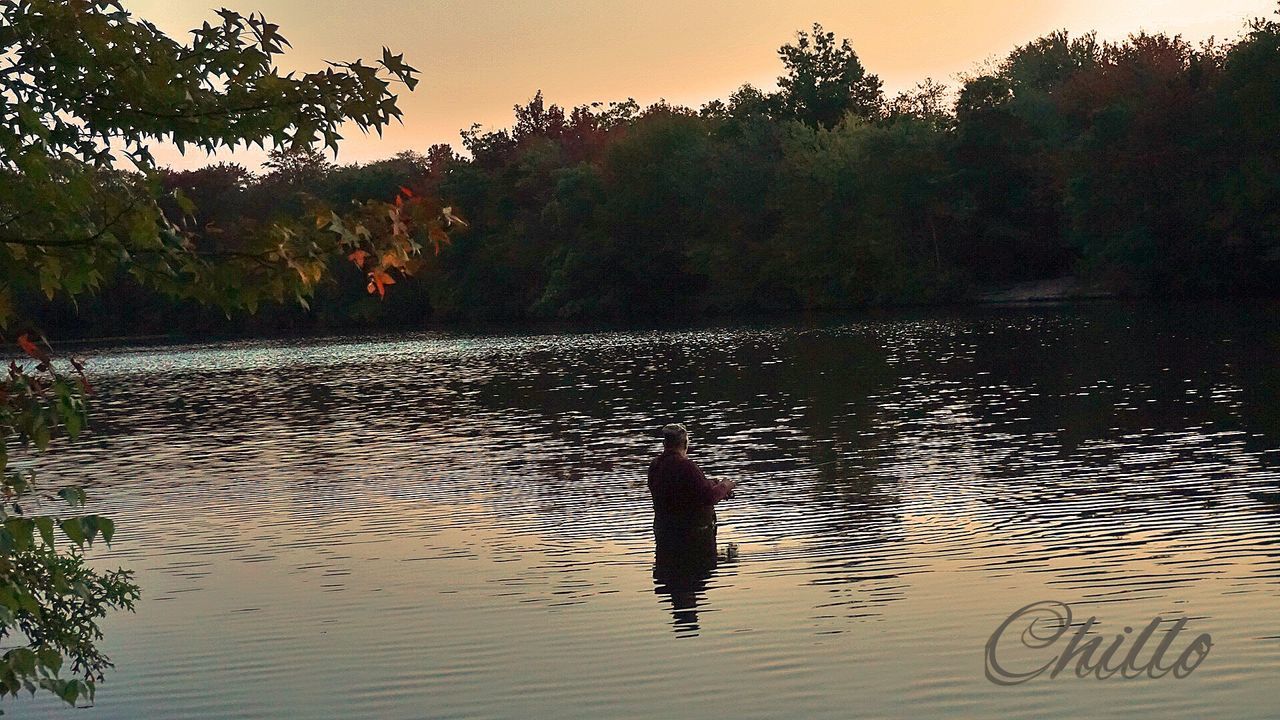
pixel 1040 640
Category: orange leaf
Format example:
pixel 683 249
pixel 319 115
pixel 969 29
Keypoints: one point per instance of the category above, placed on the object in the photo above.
pixel 378 280
pixel 31 348
pixel 438 238
pixel 358 257
pixel 407 192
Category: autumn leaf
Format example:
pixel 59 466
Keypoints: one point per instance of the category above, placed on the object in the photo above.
pixel 83 379
pixel 31 349
pixel 358 257
pixel 438 238
pixel 378 280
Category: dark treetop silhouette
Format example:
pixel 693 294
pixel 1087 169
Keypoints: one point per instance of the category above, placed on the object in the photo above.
pixel 1142 167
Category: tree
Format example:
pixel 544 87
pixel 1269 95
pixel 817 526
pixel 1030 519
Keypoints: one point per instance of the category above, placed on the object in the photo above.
pixel 1248 216
pixel 536 120
pixel 1147 166
pixel 297 166
pixel 1145 182
pixel 1047 63
pixel 929 102
pixel 1011 141
pixel 86 89
pixel 825 80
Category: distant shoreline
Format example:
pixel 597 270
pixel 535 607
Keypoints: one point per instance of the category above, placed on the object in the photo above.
pixel 1060 289
pixel 1062 293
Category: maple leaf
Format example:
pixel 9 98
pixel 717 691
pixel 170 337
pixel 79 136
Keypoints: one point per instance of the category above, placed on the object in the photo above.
pixel 378 280
pixel 31 349
pixel 438 238
pixel 358 257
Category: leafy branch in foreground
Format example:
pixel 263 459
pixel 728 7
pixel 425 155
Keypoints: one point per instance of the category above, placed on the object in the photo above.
pixel 49 598
pixel 86 86
pixel 85 89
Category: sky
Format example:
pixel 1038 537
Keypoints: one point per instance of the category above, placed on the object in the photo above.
pixel 480 57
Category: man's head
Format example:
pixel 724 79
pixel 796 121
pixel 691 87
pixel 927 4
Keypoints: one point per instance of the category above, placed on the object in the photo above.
pixel 675 437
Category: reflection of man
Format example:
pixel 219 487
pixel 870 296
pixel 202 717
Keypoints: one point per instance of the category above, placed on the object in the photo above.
pixel 683 562
pixel 683 498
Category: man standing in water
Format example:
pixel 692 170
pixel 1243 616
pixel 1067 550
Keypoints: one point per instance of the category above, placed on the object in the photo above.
pixel 683 498
pixel 684 526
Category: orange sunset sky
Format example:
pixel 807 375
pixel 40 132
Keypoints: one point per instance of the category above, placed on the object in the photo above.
pixel 480 57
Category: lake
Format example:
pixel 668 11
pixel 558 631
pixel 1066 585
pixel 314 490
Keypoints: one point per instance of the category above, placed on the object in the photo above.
pixel 458 526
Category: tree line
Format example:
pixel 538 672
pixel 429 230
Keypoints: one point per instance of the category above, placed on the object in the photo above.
pixel 1146 167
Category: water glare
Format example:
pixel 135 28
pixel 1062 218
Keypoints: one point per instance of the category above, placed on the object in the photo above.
pixel 444 526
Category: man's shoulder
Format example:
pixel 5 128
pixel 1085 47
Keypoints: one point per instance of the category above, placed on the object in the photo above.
pixel 691 467
pixel 673 461
pixel 656 465
pixel 687 462
pixel 682 465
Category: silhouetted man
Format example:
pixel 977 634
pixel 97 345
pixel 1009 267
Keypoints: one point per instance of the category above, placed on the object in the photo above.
pixel 684 525
pixel 683 498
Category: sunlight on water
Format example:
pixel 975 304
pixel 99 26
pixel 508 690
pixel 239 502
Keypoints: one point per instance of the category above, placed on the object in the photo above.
pixel 458 526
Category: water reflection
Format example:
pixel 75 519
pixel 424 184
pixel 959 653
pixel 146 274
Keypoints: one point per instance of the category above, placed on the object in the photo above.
pixel 456 511
pixel 684 560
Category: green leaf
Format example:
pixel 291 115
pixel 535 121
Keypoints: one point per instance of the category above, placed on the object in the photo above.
pixel 28 602
pixel 21 532
pixel 23 660
pixel 184 203
pixel 73 530
pixel 74 496
pixel 74 423
pixel 70 692
pixel 45 524
pixel 40 434
pixel 50 659
pixel 89 523
pixel 107 527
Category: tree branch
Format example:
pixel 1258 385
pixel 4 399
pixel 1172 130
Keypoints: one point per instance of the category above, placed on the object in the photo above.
pixel 79 242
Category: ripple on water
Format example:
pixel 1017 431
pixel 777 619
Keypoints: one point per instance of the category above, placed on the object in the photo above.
pixel 456 526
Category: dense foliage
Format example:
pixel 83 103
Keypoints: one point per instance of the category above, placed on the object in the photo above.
pixel 85 87
pixel 1145 167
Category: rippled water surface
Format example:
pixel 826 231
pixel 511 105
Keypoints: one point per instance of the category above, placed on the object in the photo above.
pixel 441 526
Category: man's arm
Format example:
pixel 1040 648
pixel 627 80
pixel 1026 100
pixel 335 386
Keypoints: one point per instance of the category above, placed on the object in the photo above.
pixel 711 492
